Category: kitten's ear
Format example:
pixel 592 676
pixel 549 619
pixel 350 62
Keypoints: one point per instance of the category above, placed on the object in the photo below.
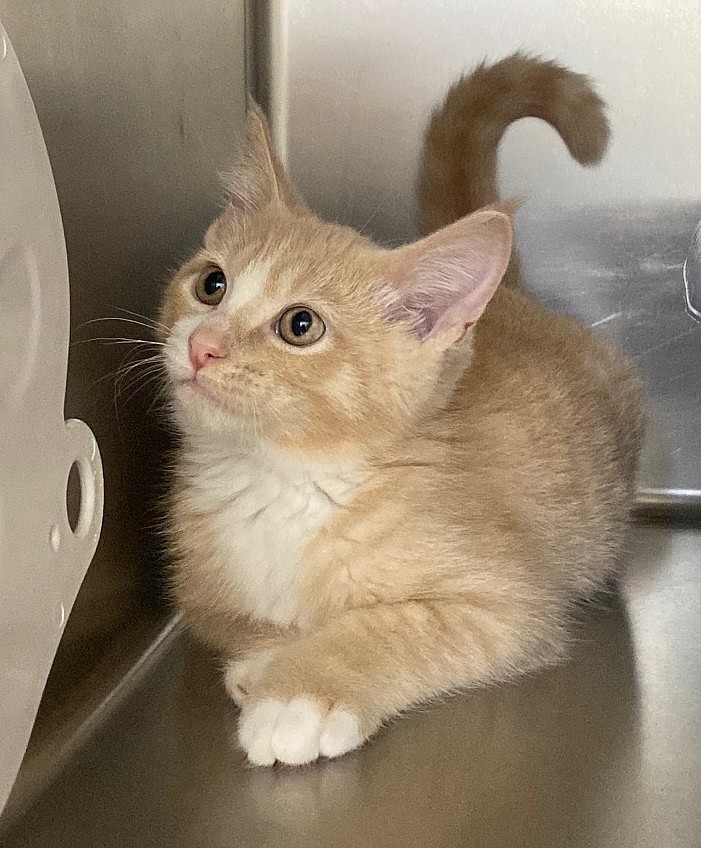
pixel 258 179
pixel 445 281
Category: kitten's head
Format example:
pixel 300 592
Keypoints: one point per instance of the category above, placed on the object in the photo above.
pixel 307 335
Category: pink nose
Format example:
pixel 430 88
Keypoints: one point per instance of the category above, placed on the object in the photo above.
pixel 204 347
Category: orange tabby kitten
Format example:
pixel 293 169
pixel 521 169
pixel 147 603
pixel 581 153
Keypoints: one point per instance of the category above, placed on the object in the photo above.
pixel 398 476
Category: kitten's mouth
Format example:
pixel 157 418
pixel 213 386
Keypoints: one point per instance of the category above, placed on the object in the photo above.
pixel 202 390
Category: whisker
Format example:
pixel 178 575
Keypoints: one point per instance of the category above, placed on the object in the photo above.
pixel 141 384
pixel 119 340
pixel 143 365
pixel 152 321
pixel 116 318
pixel 133 370
pixel 373 215
pixel 159 395
pixel 136 385
pixel 132 377
pixel 127 367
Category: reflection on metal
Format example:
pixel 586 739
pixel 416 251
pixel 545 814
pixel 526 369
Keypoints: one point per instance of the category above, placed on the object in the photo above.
pixel 692 276
pixel 619 270
pixel 675 505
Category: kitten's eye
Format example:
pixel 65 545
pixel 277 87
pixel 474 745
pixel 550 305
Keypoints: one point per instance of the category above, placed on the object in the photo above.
pixel 210 288
pixel 300 326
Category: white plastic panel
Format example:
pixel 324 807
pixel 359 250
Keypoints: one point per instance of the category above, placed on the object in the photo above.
pixel 42 559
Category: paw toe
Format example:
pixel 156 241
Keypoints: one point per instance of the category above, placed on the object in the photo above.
pixel 256 727
pixel 340 734
pixel 296 736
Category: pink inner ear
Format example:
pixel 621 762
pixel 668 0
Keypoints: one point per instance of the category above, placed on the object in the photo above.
pixel 447 279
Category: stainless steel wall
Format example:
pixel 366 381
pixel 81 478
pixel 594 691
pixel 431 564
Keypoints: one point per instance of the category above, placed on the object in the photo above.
pixel 140 105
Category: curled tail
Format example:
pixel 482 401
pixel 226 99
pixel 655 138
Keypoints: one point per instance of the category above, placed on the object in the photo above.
pixel 459 163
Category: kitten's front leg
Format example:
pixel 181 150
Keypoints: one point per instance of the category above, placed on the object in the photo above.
pixel 327 691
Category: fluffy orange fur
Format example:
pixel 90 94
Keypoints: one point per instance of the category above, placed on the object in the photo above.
pixel 414 504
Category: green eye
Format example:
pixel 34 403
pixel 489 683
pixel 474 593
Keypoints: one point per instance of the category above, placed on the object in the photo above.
pixel 300 326
pixel 211 288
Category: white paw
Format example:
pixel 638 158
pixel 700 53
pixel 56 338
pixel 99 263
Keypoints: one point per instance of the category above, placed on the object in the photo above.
pixel 295 732
pixel 241 675
pixel 340 733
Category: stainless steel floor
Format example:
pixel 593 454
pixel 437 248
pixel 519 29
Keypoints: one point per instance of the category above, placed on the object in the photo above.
pixel 604 751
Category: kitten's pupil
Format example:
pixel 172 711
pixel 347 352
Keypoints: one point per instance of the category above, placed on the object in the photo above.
pixel 301 322
pixel 214 282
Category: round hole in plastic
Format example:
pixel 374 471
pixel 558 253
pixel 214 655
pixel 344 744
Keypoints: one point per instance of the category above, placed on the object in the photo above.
pixel 73 496
pixel 80 497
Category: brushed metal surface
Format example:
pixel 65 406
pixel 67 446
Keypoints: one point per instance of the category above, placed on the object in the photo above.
pixel 619 269
pixel 603 752
pixel 140 105
pixel 692 275
pixel 349 87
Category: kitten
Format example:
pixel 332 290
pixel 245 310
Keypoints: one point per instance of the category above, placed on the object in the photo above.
pixel 397 478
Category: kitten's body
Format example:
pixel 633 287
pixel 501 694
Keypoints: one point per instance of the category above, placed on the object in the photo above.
pixel 430 521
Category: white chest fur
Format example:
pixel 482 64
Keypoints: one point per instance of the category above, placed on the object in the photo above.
pixel 265 510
